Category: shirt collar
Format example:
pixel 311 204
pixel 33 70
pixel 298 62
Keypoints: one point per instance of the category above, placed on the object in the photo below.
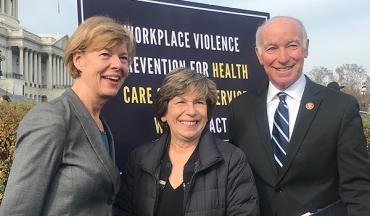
pixel 295 91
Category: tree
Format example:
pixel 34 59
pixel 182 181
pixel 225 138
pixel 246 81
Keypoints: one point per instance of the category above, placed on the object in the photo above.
pixel 321 75
pixel 352 76
pixel 355 79
pixel 10 116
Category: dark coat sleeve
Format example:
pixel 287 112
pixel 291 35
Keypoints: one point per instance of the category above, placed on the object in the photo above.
pixel 123 205
pixel 353 162
pixel 242 198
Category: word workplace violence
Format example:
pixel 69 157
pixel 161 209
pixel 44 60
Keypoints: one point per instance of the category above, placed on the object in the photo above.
pixel 159 37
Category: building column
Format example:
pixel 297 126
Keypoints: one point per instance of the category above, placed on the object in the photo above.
pixel 8 8
pixel 49 72
pixel 65 74
pixel 30 69
pixel 57 70
pixel 16 8
pixel 54 74
pixel 34 69
pixel 34 61
pixel 2 6
pixel 39 68
pixel 21 64
pixel 9 59
pixel 13 8
pixel 62 71
pixel 26 75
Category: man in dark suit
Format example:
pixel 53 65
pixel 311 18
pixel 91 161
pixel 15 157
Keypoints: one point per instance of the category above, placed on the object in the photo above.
pixel 304 142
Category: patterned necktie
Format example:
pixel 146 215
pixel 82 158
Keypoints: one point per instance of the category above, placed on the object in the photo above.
pixel 280 131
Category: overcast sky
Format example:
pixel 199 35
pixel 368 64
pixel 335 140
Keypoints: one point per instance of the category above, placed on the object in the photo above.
pixel 339 30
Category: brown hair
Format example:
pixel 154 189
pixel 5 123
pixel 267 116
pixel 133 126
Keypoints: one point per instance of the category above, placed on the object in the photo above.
pixel 178 82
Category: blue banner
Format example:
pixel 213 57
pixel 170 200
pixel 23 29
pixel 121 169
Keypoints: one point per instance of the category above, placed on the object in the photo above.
pixel 218 42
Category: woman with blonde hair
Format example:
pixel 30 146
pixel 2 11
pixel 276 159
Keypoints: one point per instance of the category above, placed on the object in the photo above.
pixel 64 161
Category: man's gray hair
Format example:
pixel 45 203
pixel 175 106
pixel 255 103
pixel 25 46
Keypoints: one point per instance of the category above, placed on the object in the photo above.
pixel 259 29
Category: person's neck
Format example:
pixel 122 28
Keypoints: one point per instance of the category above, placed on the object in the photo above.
pixel 180 151
pixel 91 101
pixel 181 146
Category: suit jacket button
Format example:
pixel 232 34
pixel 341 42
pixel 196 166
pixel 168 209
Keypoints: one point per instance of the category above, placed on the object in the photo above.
pixel 110 201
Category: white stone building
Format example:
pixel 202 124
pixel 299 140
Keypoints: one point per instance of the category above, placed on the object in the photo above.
pixel 31 65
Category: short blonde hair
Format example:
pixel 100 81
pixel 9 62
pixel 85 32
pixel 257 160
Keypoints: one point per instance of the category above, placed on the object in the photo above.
pixel 178 82
pixel 97 33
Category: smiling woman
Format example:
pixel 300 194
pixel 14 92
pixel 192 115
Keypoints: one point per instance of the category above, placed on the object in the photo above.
pixel 65 158
pixel 197 173
pixel 102 71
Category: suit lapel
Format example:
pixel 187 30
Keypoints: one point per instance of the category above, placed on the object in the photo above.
pixel 94 137
pixel 263 126
pixel 309 106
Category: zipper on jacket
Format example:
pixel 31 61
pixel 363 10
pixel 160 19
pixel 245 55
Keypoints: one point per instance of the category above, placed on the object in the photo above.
pixel 189 185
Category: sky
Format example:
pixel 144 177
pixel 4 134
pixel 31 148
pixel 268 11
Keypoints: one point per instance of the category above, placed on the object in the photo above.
pixel 338 30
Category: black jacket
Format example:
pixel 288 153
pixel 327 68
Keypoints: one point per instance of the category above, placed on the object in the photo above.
pixel 222 183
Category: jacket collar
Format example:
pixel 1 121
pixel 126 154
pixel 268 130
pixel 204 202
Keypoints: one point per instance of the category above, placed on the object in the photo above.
pixel 92 133
pixel 262 123
pixel 209 154
pixel 150 162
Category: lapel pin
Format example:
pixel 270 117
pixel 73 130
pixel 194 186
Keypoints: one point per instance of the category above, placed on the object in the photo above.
pixel 310 105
